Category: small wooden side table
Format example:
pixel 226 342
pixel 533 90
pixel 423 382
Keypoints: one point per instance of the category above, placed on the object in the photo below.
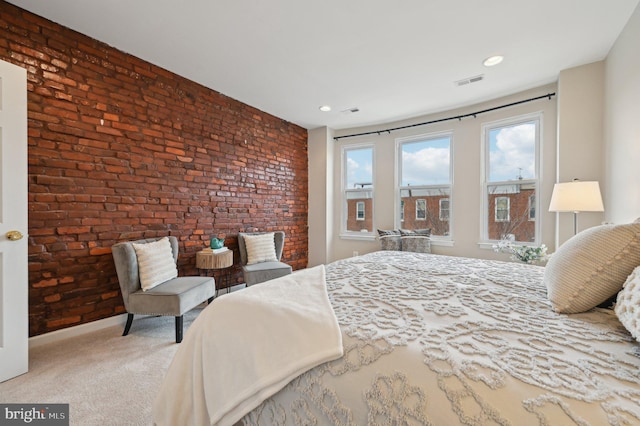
pixel 209 260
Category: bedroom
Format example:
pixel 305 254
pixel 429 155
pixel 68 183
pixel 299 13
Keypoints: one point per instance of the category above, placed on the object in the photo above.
pixel 71 273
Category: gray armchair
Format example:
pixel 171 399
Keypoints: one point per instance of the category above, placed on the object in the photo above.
pixel 264 271
pixel 173 297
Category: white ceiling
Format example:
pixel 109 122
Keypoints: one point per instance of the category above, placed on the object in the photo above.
pixel 390 59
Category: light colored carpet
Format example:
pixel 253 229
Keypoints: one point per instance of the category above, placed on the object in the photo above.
pixel 105 378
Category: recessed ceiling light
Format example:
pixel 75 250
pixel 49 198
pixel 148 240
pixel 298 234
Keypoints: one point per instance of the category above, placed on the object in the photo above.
pixel 492 60
pixel 325 108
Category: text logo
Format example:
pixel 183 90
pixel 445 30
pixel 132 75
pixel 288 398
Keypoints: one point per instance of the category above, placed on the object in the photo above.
pixel 34 414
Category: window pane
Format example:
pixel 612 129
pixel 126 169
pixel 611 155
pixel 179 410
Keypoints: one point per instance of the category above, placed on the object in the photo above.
pixel 532 207
pixel 444 209
pixel 512 152
pixel 358 203
pixel 426 162
pixel 509 212
pixel 358 189
pixel 421 209
pixel 360 210
pixel 358 195
pixel 428 200
pixel 359 168
pixel 502 209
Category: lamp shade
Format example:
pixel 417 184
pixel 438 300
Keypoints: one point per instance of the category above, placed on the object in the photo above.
pixel 576 196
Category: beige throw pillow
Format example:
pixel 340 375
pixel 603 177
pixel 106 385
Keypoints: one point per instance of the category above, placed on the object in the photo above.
pixel 155 263
pixel 260 248
pixel 390 239
pixel 418 240
pixel 592 267
pixel 628 304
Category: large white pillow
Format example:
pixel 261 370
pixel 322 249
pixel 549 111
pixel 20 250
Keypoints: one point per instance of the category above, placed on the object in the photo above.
pixel 628 304
pixel 260 248
pixel 155 263
pixel 591 267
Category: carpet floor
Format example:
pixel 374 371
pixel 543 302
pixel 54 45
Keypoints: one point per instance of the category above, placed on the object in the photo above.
pixel 105 378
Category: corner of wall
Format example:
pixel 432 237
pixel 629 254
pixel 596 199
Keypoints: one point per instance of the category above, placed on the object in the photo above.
pixel 320 219
pixel 622 127
pixel 580 137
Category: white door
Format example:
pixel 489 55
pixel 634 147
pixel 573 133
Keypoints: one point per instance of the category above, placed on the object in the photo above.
pixel 14 310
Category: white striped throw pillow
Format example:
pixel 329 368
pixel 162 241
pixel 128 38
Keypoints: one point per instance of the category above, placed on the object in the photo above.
pixel 260 248
pixel 155 263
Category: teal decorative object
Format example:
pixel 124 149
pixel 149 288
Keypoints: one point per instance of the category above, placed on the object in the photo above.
pixel 217 243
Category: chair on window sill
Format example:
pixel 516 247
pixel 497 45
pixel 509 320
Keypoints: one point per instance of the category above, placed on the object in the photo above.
pixel 260 260
pixel 173 297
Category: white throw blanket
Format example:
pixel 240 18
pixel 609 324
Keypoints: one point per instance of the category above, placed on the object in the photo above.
pixel 247 346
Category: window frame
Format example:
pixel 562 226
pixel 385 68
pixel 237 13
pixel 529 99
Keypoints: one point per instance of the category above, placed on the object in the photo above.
pixel 537 119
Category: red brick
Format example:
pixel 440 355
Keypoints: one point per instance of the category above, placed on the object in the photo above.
pixel 169 158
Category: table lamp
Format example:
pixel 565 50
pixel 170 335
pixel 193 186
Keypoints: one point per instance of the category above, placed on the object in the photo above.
pixel 576 196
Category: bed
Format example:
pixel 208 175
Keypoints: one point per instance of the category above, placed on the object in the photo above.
pixel 435 340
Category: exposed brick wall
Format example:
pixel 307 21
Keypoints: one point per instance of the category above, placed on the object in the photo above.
pixel 120 149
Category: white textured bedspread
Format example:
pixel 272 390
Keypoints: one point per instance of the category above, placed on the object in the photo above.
pixel 437 340
pixel 247 346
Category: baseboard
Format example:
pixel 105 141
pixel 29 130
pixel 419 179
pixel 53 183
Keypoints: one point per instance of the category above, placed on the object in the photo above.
pixel 65 333
pixel 77 330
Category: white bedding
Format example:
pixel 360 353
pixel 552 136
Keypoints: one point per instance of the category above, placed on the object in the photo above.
pixel 439 340
pixel 247 346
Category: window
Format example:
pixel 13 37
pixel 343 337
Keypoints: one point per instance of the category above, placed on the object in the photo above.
pixel 532 207
pixel 358 189
pixel 421 209
pixel 511 178
pixel 502 209
pixel 360 210
pixel 444 209
pixel 424 176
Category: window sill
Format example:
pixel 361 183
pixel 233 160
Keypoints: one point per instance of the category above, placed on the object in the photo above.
pixel 360 236
pixel 486 245
pixel 442 243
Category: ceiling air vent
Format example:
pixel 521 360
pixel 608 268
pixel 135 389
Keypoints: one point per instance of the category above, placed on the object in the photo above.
pixel 469 80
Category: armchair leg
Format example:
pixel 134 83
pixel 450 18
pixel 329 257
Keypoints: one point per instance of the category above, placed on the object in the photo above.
pixel 127 326
pixel 179 329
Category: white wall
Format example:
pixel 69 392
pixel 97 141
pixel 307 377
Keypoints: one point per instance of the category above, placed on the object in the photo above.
pixel 622 125
pixel 598 138
pixel 580 137
pixel 320 219
pixel 467 190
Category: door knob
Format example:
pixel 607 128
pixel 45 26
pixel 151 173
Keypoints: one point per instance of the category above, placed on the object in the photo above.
pixel 13 235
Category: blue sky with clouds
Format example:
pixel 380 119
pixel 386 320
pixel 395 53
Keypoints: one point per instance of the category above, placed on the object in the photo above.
pixel 426 162
pixel 359 166
pixel 512 152
pixel 511 155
